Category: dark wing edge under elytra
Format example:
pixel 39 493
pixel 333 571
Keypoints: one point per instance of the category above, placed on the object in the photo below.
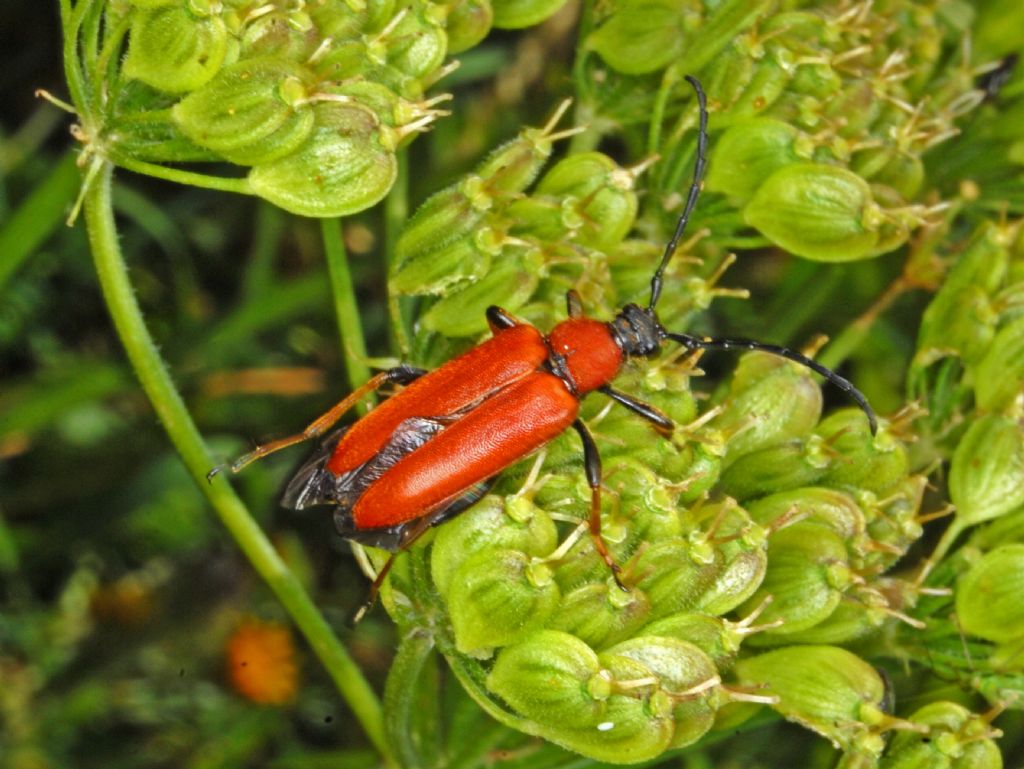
pixel 398 537
pixel 311 484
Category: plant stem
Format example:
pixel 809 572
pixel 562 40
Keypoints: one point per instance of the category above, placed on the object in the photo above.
pixel 396 211
pixel 239 185
pixel 350 326
pixel 157 384
pixel 401 700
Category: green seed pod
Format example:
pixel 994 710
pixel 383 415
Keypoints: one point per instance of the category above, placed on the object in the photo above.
pixel 511 168
pixel 540 217
pixel 748 153
pixel 806 576
pixel 684 673
pixel 341 169
pixel 742 557
pixel 642 36
pixel 514 523
pixel 469 21
pixel 498 597
pixel 510 283
pixel 988 597
pixel 777 398
pixel 869 462
pixel 960 322
pixel 999 375
pixel 986 477
pixel 985 261
pixel 855 618
pixel 632 730
pixel 517 14
pixel 450 267
pixel 601 614
pixel 425 261
pixel 956 739
pixel 549 677
pixel 890 166
pixel 832 508
pixel 894 523
pixel 251 112
pixel 698 466
pixel 417 45
pixel 175 50
pixel 601 194
pixel 789 465
pixel 823 213
pixel 635 439
pixel 285 34
pixel 645 500
pixel 818 79
pixel 674 575
pixel 825 688
pixel 716 637
pixel 768 81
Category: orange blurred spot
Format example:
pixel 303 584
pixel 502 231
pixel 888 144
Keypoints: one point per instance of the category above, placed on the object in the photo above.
pixel 261 662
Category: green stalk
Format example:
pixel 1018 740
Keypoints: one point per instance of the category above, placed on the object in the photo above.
pixel 157 384
pixel 239 185
pixel 396 211
pixel 350 326
pixel 402 705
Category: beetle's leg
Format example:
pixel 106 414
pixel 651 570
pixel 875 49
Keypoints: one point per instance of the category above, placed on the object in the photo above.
pixel 573 303
pixel 592 464
pixel 417 531
pixel 499 319
pixel 398 375
pixel 664 425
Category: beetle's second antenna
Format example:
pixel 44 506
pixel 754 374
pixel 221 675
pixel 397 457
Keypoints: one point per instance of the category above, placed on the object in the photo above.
pixel 691 198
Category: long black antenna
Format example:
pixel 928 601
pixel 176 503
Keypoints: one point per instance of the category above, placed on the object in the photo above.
pixel 691 199
pixel 707 343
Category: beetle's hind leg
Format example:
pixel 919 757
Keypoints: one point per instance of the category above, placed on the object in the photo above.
pixel 397 375
pixel 592 465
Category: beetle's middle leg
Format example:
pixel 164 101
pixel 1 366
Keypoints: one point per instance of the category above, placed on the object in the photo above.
pixel 662 423
pixel 398 375
pixel 592 465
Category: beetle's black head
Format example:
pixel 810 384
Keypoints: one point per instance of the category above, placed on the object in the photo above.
pixel 637 331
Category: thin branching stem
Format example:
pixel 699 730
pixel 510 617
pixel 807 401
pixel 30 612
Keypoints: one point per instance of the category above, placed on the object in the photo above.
pixel 160 389
pixel 346 310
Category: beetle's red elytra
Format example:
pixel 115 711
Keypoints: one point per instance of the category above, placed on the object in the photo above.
pixel 433 449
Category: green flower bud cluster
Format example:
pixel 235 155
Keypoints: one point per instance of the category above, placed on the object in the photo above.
pixel 486 240
pixel 823 113
pixel 971 342
pixel 952 738
pixel 622 676
pixel 313 97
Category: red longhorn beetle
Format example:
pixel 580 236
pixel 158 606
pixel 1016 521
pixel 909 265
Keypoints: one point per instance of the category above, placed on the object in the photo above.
pixel 429 452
